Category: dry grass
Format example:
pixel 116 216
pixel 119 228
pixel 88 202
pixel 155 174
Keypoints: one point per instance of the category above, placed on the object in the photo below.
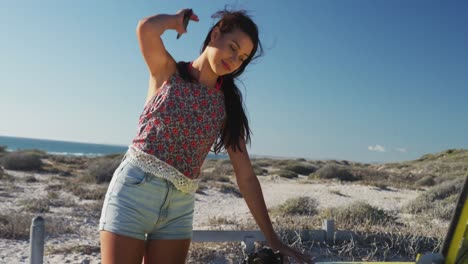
pixel 70 249
pixel 287 174
pixel 381 235
pixel 223 168
pixel 443 166
pixel 359 213
pixel 56 201
pixel 16 225
pixel 86 192
pixel 397 243
pixel 337 192
pixel 213 252
pixel 263 162
pixel 220 221
pixel 437 202
pixel 91 210
pixel 229 188
pixel 5 176
pixel 212 176
pixel 40 205
pixel 30 179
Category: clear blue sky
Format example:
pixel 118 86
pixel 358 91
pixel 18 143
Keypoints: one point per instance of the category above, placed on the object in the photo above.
pixel 357 80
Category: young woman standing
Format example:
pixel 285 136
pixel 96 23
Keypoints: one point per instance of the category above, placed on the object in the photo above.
pixel 190 107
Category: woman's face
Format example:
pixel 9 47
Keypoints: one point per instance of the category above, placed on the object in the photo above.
pixel 226 52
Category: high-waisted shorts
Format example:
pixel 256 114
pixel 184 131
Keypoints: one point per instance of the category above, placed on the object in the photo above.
pixel 143 206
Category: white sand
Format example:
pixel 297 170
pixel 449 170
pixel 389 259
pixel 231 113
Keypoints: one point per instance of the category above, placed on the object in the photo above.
pixel 213 204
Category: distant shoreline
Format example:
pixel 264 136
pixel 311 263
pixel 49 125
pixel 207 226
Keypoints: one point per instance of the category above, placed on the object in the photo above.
pixel 63 141
pixel 69 148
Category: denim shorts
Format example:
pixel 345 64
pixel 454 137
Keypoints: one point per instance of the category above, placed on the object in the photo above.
pixel 143 206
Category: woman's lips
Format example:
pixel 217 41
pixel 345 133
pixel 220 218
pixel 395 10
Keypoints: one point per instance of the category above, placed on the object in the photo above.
pixel 225 65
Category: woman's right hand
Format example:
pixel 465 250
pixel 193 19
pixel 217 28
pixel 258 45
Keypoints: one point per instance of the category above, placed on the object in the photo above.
pixel 180 19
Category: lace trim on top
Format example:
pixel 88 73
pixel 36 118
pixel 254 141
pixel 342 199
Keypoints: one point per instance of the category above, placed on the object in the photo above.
pixel 158 168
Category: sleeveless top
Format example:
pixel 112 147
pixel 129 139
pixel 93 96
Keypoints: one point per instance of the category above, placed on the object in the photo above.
pixel 178 127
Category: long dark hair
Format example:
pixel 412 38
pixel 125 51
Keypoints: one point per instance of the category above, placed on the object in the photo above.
pixel 236 125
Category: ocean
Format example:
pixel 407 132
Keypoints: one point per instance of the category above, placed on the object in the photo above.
pixel 68 148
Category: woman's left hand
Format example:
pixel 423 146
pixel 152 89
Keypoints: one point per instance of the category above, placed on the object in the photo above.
pixel 287 251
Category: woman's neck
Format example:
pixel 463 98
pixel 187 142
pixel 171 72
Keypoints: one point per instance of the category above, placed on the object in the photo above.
pixel 202 72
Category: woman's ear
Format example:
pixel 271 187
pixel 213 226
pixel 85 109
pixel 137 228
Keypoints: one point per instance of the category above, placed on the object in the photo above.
pixel 215 34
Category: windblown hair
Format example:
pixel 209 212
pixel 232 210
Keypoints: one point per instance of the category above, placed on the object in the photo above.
pixel 236 126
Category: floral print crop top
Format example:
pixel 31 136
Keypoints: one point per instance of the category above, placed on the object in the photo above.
pixel 181 122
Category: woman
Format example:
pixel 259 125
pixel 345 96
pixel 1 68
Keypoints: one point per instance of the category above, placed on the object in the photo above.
pixel 148 209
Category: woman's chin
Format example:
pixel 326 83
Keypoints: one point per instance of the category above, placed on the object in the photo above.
pixel 221 71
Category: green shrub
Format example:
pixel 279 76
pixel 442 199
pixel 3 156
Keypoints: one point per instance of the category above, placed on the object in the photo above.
pixel 55 201
pixel 54 187
pixel 438 201
pixel 358 213
pixel 427 157
pixel 86 193
pixel 90 209
pixel 70 249
pixel 216 221
pixel 381 185
pixel 36 205
pixel 230 188
pixel 287 174
pixel 21 160
pixel 72 161
pixel 6 177
pixel 210 176
pixel 333 171
pixel 209 163
pixel 3 149
pixel 202 187
pixel 426 181
pixel 101 169
pixel 301 168
pixel 262 162
pixel 51 195
pixel 284 162
pixel 298 206
pixel 14 225
pixel 30 179
pixel 444 210
pixel 259 170
pixel 223 168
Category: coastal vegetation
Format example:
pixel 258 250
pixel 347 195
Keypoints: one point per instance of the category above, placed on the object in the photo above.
pixel 77 185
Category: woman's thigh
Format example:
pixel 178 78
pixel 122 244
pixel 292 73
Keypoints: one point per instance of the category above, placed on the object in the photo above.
pixel 131 206
pixel 166 251
pixel 116 249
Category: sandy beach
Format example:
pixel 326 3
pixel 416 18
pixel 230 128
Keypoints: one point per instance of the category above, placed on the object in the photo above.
pixel 211 204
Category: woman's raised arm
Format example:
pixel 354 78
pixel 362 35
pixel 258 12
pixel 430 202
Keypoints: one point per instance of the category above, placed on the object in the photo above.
pixel 160 63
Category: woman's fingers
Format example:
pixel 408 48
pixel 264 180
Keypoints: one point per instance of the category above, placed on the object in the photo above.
pixel 181 28
pixel 298 256
pixel 194 17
